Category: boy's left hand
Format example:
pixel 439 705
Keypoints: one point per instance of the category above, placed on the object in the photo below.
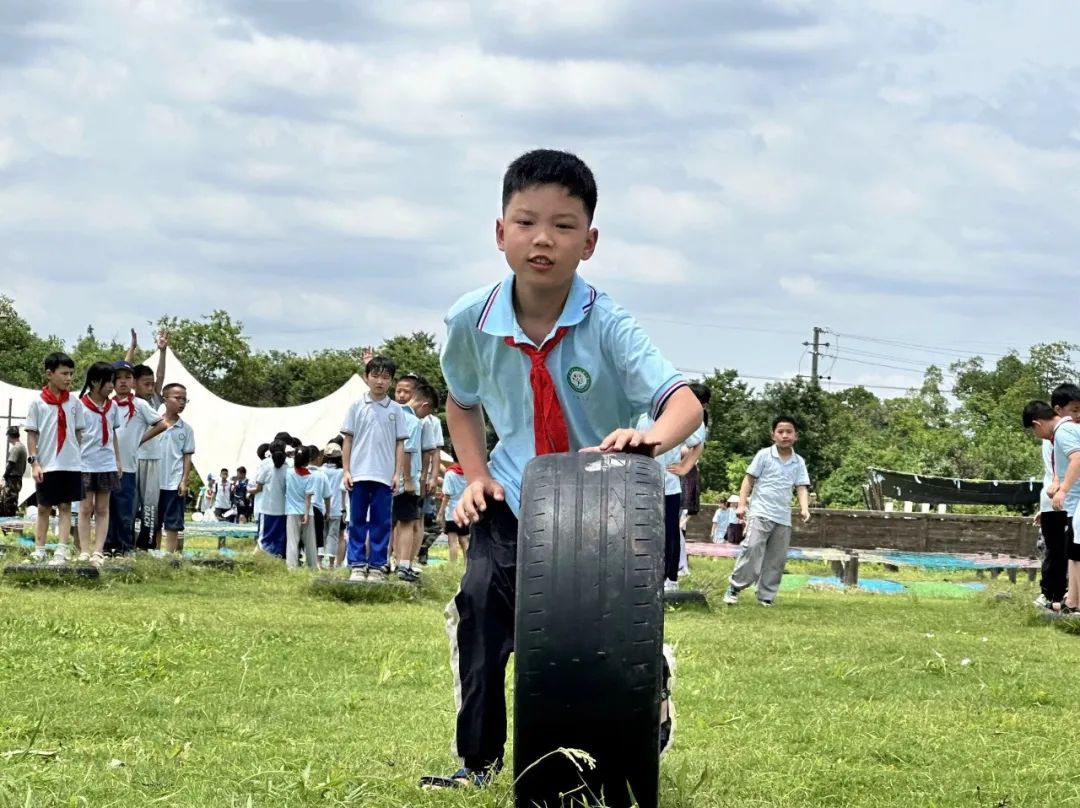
pixel 805 513
pixel 625 440
pixel 181 490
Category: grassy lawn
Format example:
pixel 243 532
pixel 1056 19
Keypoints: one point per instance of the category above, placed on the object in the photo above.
pixel 209 688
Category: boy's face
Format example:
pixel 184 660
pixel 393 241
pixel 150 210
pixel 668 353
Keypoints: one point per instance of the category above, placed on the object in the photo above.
pixel 144 386
pixel 60 379
pixel 404 390
pixel 124 380
pixel 1072 410
pixel 545 234
pixel 1044 430
pixel 785 435
pixel 175 400
pixel 378 383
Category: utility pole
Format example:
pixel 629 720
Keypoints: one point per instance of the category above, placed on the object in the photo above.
pixel 816 345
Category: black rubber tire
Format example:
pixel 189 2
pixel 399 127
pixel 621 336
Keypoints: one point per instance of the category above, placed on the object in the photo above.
pixel 589 630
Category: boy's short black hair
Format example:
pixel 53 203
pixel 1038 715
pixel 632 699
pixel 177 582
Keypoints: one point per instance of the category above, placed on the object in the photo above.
pixel 1064 395
pixel 224 471
pixel 415 378
pixel 551 167
pixel 141 371
pixel 57 360
pixel 314 451
pixel 381 364
pixel 426 392
pixel 172 386
pixel 262 450
pixel 241 470
pixel 784 419
pixel 1036 411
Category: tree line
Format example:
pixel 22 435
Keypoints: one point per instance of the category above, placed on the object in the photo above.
pixel 968 426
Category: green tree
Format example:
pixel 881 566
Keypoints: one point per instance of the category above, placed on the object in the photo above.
pixel 21 350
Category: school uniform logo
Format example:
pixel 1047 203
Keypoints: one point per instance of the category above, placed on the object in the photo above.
pixel 578 379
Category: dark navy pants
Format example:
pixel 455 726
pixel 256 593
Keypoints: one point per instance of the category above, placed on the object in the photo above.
pixel 369 524
pixel 121 538
pixel 480 622
pixel 672 536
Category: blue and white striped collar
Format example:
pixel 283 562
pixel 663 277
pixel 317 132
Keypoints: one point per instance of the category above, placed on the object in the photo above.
pixel 498 319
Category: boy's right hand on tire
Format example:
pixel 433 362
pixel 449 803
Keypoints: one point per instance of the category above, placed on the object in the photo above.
pixel 473 502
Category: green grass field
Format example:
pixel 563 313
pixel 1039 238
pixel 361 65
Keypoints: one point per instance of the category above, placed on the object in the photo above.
pixel 210 688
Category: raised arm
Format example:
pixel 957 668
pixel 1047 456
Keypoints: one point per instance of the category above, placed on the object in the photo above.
pixel 159 378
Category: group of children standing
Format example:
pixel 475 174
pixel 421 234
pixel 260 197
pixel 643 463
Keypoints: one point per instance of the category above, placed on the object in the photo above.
pixel 117 451
pixel 383 470
pixel 1057 424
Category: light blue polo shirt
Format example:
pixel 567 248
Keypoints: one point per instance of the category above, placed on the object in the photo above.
pixel 1066 444
pixel 414 442
pixel 698 437
pixel 453 486
pixel 775 479
pixel 606 372
pixel 672 484
pixel 436 430
pixel 322 488
pixel 375 427
pixel 297 488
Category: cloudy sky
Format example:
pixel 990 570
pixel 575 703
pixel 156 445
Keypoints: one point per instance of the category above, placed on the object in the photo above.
pixel 901 172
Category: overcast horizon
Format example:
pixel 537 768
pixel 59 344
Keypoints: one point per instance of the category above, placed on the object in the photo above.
pixel 900 173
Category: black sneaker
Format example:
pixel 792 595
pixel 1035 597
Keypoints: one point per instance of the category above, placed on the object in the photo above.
pixel 462 778
pixel 408 575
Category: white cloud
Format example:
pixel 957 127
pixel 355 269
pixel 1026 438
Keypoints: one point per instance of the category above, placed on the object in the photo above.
pixel 881 168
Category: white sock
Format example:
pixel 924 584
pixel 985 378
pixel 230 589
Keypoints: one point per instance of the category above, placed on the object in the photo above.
pixel 404 565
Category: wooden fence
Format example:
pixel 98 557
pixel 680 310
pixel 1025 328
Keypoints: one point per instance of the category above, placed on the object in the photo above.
pixel 907 532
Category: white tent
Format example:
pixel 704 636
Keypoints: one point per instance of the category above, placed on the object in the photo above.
pixel 19 399
pixel 227 434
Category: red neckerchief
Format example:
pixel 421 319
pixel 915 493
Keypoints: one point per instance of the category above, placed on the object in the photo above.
pixel 127 403
pixel 457 469
pixel 303 471
pixel 57 401
pixel 549 427
pixel 103 412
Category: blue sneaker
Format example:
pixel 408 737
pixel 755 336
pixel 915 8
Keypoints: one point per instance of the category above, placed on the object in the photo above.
pixel 462 778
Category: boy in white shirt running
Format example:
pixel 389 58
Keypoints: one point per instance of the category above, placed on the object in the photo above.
pixel 772 475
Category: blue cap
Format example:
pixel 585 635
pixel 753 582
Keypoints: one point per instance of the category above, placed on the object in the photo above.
pixel 121 364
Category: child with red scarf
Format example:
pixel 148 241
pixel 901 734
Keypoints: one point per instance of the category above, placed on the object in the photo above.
pixel 139 423
pixel 452 488
pixel 100 459
pixel 54 425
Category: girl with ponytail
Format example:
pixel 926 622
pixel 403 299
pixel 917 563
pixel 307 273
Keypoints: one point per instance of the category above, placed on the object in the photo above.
pixel 270 487
pixel 100 460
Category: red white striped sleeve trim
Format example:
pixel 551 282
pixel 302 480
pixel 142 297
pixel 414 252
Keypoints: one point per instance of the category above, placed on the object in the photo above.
pixel 662 401
pixel 487 309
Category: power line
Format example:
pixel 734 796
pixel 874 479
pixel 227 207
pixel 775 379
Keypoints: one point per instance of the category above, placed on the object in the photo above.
pixel 909 369
pixel 939 349
pixel 832 382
